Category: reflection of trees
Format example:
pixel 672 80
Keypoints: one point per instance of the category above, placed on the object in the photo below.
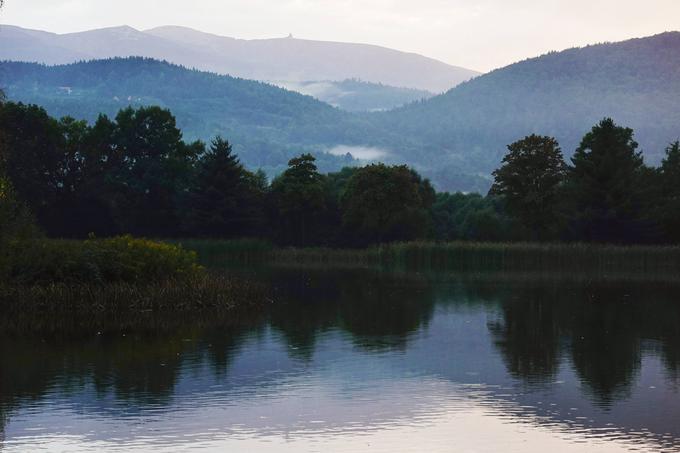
pixel 605 332
pixel 138 369
pixel 305 306
pixel 602 326
pixel 528 337
pixel 143 368
pixel 221 345
pixel 384 316
pixel 379 311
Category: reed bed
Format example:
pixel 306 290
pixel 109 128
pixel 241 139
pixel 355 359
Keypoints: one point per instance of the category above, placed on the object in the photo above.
pixel 217 252
pixel 208 291
pixel 458 256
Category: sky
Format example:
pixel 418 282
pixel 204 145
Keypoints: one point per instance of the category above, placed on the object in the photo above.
pixel 477 34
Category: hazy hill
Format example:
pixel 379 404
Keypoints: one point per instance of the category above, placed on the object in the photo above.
pixel 358 96
pixel 285 59
pixel 267 124
pixel 636 82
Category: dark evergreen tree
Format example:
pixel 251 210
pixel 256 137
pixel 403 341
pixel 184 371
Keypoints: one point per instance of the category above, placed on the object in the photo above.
pixel 604 182
pixel 530 181
pixel 226 199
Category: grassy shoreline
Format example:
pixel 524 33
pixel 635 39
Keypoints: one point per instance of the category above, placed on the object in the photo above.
pixel 454 256
pixel 154 277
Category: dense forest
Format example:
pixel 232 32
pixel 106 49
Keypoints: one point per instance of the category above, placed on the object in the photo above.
pixel 135 173
pixel 456 139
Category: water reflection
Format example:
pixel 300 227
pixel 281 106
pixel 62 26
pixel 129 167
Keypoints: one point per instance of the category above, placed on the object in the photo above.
pixel 346 353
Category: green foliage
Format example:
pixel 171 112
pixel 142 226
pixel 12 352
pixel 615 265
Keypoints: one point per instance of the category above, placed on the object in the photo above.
pixel 384 204
pixel 604 181
pixel 119 259
pixel 669 206
pixel 153 165
pixel 31 155
pixel 16 221
pixel 471 217
pixel 16 224
pixel 530 181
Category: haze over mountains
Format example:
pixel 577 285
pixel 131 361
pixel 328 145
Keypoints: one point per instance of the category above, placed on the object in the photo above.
pixel 456 138
pixel 279 60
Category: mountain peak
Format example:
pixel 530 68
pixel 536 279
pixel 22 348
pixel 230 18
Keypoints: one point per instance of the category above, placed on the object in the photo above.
pixel 118 29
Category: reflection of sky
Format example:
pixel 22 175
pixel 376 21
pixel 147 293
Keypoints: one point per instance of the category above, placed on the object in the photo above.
pixel 449 388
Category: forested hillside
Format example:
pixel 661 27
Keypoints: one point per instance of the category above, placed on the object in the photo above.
pixel 268 125
pixel 636 82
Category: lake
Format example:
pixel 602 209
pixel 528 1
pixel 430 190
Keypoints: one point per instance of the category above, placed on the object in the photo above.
pixel 366 360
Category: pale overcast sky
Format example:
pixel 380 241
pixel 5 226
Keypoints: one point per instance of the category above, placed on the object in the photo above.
pixel 478 34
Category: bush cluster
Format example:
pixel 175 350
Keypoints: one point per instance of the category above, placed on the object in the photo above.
pixel 118 259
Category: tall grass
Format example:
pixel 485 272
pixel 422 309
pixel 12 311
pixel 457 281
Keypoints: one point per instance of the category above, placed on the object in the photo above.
pixel 533 257
pixel 207 291
pixel 217 252
pixel 459 256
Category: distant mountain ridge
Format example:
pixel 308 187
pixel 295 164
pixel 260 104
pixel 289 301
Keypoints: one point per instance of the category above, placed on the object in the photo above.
pixel 281 59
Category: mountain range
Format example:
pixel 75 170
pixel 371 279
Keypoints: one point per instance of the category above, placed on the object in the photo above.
pixel 456 138
pixel 272 60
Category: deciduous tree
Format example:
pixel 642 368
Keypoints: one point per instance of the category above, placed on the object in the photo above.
pixel 382 203
pixel 530 181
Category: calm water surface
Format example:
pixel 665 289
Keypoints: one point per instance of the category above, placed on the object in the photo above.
pixel 358 360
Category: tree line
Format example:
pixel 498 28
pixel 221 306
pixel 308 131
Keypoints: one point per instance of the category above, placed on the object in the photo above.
pixel 606 194
pixel 135 174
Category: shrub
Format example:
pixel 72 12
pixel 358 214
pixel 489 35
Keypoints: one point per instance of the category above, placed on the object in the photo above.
pixel 16 221
pixel 119 259
pixel 129 259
